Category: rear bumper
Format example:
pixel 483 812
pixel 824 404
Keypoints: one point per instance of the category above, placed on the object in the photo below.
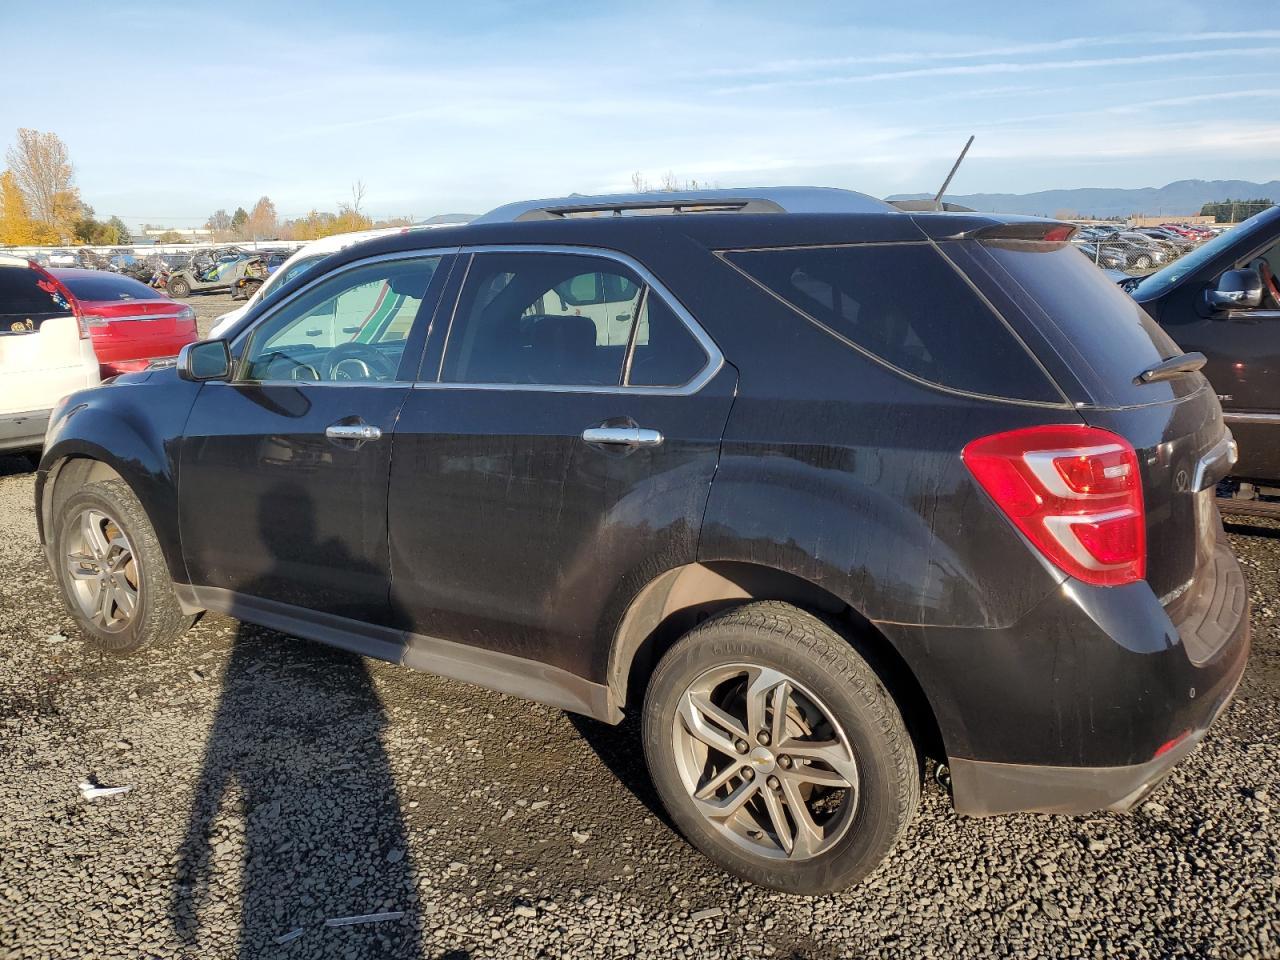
pixel 1088 701
pixel 982 788
pixel 23 431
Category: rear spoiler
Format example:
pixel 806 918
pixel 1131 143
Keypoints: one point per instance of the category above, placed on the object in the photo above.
pixel 986 228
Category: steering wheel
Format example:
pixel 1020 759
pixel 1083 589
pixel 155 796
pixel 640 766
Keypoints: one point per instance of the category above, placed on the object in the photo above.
pixel 1269 285
pixel 356 361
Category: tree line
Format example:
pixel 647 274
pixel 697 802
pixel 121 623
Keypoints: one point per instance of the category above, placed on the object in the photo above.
pixel 262 222
pixel 40 205
pixel 39 201
pixel 1233 211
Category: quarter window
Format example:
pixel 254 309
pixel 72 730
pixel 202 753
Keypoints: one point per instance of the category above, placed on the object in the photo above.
pixel 565 320
pixel 352 326
pixel 906 305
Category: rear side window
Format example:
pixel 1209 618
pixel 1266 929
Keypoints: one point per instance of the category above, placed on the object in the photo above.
pixel 108 287
pixel 565 320
pixel 27 298
pixel 907 306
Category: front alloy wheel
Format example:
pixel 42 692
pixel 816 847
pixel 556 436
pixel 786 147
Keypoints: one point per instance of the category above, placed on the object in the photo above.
pixel 111 569
pixel 765 762
pixel 102 571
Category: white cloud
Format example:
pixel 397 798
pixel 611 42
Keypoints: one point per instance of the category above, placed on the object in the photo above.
pixel 1001 67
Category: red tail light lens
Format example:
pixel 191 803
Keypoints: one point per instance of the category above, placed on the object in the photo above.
pixel 1074 491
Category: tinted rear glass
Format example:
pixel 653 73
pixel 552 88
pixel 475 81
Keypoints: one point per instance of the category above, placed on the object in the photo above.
pixel 1112 333
pixel 907 306
pixel 22 299
pixel 110 287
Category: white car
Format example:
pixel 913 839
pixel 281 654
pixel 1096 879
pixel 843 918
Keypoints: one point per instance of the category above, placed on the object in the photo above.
pixel 303 259
pixel 45 352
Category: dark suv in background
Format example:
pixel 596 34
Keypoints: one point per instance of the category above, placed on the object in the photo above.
pixel 819 487
pixel 1223 300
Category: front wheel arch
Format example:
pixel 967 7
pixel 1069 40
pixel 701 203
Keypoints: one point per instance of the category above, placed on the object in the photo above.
pixel 68 474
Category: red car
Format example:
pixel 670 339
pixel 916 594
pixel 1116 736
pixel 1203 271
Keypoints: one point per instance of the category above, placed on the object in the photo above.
pixel 130 323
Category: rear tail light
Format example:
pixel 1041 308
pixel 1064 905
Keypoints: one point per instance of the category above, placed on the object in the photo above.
pixel 186 313
pixel 51 284
pixel 1074 492
pixel 91 320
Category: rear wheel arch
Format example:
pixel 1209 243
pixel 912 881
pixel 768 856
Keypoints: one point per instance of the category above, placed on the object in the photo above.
pixel 676 601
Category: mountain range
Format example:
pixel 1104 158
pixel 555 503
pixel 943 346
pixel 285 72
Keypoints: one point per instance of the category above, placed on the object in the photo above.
pixel 1180 198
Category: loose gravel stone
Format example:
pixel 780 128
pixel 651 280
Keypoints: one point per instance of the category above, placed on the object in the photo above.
pixel 270 798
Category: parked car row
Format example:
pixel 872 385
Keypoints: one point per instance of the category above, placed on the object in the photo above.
pixel 816 487
pixel 64 329
pixel 1140 248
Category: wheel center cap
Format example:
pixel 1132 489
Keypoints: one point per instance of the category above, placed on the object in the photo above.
pixel 761 760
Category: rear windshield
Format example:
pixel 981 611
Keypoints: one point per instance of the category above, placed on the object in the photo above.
pixel 1111 332
pixel 907 306
pixel 27 298
pixel 110 287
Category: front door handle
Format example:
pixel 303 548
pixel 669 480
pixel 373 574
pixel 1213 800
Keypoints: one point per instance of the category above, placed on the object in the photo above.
pixel 353 431
pixel 623 436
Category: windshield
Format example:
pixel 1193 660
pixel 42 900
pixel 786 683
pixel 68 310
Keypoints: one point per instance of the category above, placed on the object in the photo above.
pixel 1162 280
pixel 286 274
pixel 110 287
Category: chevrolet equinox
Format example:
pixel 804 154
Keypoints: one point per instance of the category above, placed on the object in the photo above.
pixel 817 486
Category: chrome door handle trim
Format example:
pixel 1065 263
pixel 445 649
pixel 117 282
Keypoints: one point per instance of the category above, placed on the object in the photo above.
pixel 623 436
pixel 353 431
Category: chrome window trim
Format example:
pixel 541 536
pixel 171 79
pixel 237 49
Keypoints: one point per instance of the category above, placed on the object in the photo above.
pixel 416 254
pixel 715 359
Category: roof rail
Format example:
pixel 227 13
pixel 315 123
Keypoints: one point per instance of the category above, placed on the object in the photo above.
pixel 659 202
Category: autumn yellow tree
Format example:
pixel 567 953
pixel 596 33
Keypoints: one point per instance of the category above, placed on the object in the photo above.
pixel 42 171
pixel 16 225
pixel 262 222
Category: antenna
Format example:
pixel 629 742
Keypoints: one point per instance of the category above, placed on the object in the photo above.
pixel 937 201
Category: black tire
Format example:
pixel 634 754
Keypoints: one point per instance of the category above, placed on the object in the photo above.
pixel 179 287
pixel 1143 262
pixel 158 616
pixel 781 637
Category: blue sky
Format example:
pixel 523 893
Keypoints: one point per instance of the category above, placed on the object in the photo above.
pixel 173 111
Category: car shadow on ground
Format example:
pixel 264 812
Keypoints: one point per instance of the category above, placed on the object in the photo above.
pixel 295 819
pixel 621 750
pixel 12 464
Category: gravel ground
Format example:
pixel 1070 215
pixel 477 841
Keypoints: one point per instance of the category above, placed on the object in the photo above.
pixel 210 306
pixel 277 784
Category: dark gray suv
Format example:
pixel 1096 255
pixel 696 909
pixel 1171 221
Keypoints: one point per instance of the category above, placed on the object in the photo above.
pixel 819 487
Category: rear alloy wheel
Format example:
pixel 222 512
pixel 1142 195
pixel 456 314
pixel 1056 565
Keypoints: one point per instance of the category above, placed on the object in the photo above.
pixel 1143 262
pixel 179 287
pixel 778 751
pixel 765 762
pixel 112 571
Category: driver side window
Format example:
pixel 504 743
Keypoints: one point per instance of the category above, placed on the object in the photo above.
pixel 351 326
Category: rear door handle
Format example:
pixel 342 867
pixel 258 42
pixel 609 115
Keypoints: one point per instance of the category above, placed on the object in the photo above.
pixel 623 436
pixel 353 431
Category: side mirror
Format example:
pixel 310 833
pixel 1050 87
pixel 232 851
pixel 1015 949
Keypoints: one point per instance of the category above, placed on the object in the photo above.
pixel 205 360
pixel 1237 290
